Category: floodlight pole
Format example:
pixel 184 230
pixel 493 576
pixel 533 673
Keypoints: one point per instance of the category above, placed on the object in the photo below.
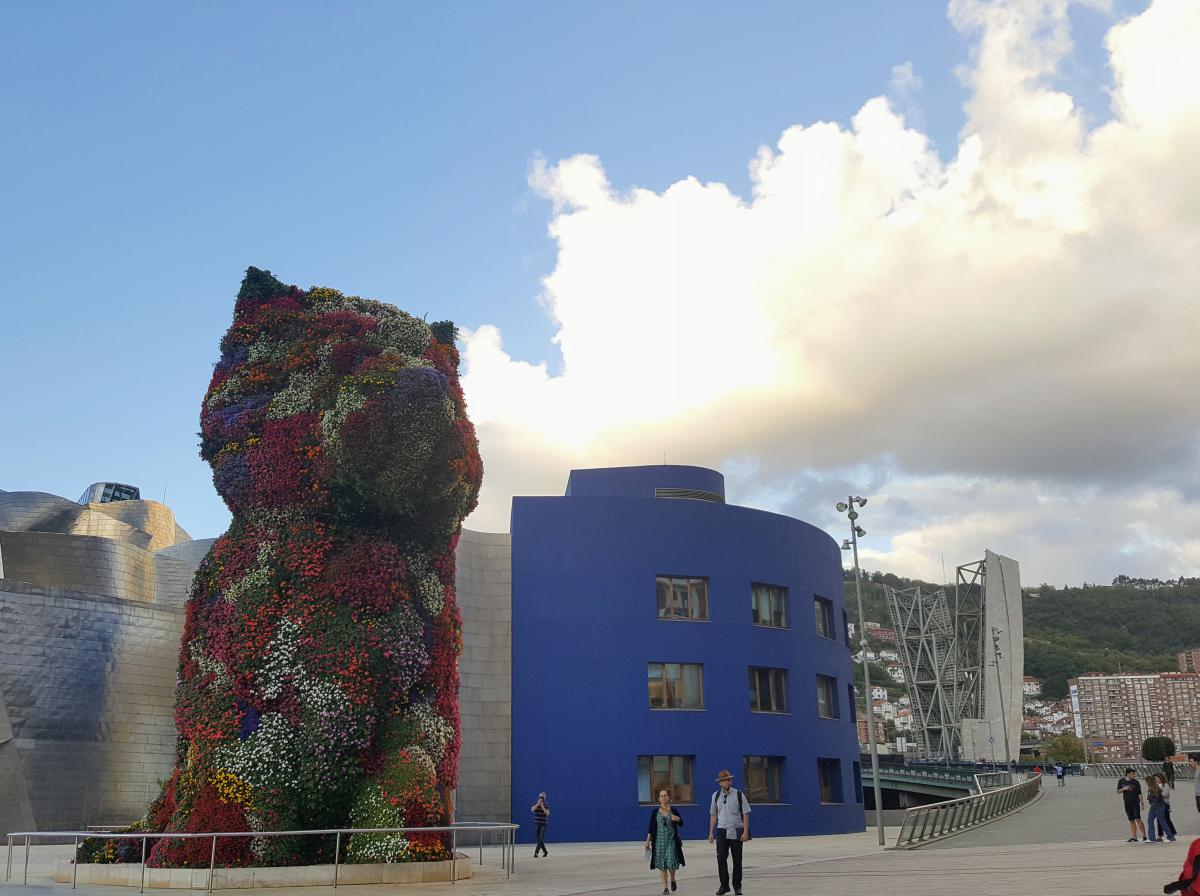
pixel 862 635
pixel 1000 691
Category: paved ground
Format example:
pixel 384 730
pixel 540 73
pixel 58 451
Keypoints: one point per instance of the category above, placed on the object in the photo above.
pixel 1086 809
pixel 1069 843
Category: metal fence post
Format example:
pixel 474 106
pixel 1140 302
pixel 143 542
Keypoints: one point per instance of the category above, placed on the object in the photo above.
pixel 337 854
pixel 27 860
pixel 75 863
pixel 453 855
pixel 212 863
pixel 142 872
pixel 8 867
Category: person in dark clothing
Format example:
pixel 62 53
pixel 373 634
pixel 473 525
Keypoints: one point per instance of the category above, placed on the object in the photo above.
pixel 1168 770
pixel 1130 789
pixel 541 818
pixel 663 842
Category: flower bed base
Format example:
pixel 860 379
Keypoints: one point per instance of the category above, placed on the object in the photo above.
pixel 127 875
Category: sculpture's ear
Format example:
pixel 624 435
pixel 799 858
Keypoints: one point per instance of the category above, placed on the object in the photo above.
pixel 258 286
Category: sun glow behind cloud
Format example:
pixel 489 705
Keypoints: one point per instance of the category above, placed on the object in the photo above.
pixel 1014 323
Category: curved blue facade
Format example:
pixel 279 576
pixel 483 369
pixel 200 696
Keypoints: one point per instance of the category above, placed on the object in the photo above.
pixel 586 628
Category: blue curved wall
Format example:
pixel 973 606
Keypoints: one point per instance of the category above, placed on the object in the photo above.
pixel 585 625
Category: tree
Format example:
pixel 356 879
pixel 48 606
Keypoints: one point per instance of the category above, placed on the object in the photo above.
pixel 1064 748
pixel 1156 749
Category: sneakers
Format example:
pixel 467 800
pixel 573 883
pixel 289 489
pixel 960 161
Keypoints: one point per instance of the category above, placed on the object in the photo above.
pixel 1131 840
pixel 722 891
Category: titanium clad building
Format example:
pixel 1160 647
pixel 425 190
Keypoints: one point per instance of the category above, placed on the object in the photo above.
pixel 91 610
pixel 660 635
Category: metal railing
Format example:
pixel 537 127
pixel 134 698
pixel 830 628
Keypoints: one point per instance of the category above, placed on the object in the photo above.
pixel 957 776
pixel 1117 769
pixel 507 844
pixel 985 781
pixel 923 824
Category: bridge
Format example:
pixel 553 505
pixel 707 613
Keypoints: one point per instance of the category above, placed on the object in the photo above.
pixel 913 785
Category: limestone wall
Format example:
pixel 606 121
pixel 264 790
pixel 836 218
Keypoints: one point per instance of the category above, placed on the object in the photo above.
pixel 485 667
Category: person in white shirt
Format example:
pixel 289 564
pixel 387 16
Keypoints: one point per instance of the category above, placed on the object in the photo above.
pixel 729 825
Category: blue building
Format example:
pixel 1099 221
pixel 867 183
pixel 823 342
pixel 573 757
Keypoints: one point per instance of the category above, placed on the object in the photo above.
pixel 660 635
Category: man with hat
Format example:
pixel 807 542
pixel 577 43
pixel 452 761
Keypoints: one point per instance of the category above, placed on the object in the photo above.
pixel 729 820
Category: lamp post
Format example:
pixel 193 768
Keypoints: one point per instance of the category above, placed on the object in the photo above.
pixel 851 543
pixel 996 632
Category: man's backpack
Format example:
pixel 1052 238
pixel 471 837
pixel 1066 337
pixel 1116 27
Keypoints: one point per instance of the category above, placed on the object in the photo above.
pixel 741 803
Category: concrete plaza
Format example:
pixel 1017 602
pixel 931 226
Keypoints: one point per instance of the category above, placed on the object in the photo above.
pixel 1071 842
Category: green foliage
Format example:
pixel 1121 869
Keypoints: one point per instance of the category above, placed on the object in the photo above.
pixel 1156 749
pixel 1064 748
pixel 1131 626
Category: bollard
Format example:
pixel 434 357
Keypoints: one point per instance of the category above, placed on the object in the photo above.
pixel 337 852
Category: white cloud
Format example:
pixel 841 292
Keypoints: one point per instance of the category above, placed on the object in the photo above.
pixel 1021 316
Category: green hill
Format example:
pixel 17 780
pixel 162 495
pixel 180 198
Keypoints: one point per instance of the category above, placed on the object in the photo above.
pixel 1132 625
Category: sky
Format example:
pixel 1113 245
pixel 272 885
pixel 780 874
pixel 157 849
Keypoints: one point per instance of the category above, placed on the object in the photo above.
pixel 941 256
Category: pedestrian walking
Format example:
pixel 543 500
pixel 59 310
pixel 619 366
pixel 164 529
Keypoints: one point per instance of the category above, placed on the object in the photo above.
pixel 541 818
pixel 1060 774
pixel 729 822
pixel 1194 763
pixel 1167 790
pixel 663 842
pixel 1168 770
pixel 1130 789
pixel 1156 817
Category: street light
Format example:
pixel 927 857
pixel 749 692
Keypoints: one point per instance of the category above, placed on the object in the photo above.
pixel 996 632
pixel 851 544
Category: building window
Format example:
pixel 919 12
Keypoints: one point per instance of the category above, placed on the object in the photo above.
pixel 852 703
pixel 762 775
pixel 858 797
pixel 829 780
pixel 768 605
pixel 823 611
pixel 768 690
pixel 675 685
pixel 670 773
pixel 827 703
pixel 682 598
pixel 846 627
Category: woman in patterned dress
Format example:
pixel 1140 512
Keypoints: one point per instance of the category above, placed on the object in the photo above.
pixel 662 841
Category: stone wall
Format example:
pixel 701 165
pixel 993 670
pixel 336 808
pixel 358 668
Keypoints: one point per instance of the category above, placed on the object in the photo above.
pixel 485 667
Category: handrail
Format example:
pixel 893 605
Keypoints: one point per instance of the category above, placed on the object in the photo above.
pixel 508 843
pixel 985 781
pixel 923 824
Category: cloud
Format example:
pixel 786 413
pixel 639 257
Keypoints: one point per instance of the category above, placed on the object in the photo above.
pixel 1017 320
pixel 904 89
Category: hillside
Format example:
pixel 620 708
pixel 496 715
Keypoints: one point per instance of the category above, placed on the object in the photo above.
pixel 1133 625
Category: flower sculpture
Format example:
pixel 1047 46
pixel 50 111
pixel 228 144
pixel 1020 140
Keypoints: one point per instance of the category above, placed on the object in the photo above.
pixel 318 681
